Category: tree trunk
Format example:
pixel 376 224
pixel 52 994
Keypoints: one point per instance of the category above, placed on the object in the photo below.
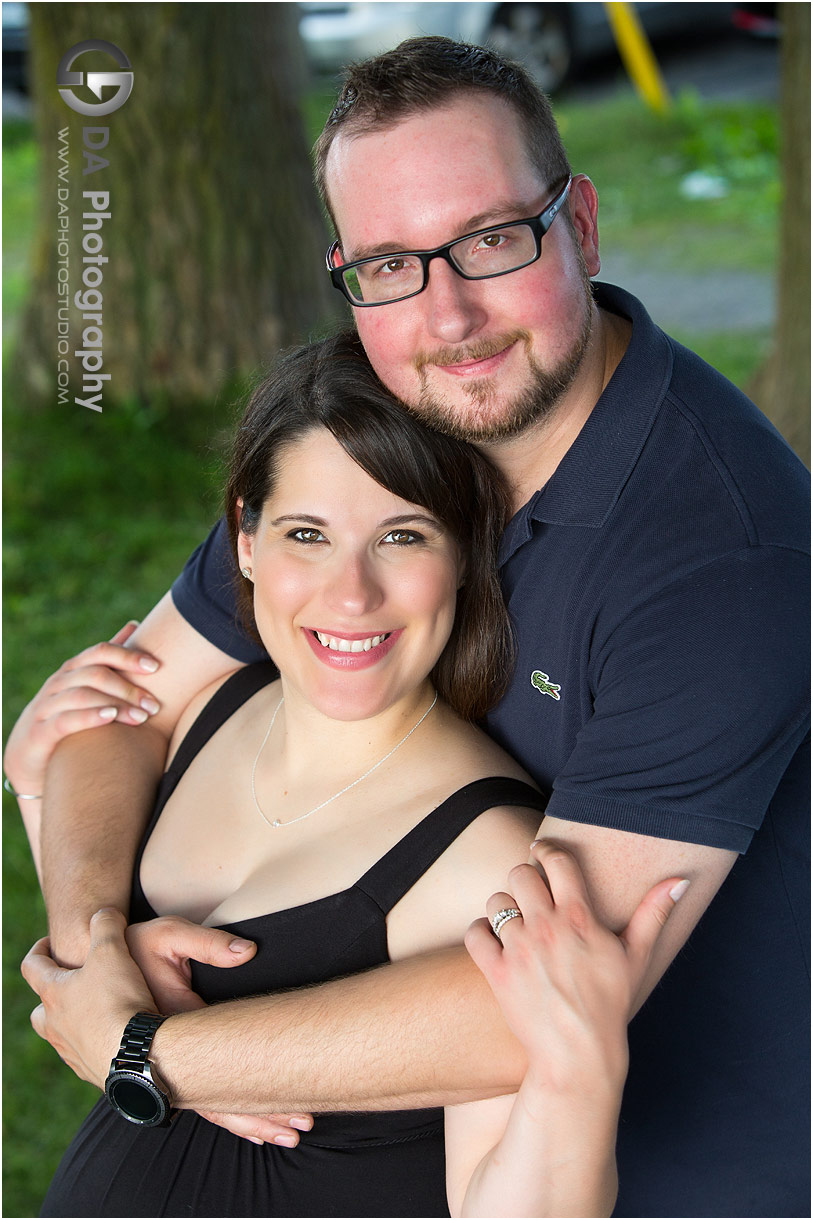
pixel 215 237
pixel 782 385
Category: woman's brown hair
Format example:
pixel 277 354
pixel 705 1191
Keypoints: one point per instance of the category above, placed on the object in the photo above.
pixel 331 384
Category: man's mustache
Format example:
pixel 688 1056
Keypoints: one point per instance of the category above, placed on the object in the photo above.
pixel 482 349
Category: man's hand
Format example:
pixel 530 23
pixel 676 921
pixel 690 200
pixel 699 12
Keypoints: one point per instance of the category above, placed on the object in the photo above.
pixel 566 983
pixel 86 1009
pixel 97 686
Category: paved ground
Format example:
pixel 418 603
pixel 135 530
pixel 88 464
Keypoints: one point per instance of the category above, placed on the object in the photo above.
pixel 692 302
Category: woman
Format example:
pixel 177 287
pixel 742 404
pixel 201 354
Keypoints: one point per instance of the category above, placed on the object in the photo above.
pixel 348 813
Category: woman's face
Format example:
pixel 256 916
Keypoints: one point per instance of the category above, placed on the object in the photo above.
pixel 354 589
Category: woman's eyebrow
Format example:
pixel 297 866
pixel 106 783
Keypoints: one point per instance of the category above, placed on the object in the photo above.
pixel 411 519
pixel 401 519
pixel 300 517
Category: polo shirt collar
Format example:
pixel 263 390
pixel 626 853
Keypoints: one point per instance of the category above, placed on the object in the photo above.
pixel 589 479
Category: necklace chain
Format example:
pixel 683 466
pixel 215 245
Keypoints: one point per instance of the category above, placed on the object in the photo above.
pixel 276 822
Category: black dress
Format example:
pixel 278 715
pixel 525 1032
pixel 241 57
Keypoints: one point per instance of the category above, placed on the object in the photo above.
pixel 361 1164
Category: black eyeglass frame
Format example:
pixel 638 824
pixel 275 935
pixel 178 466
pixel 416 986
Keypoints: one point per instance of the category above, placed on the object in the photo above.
pixel 538 225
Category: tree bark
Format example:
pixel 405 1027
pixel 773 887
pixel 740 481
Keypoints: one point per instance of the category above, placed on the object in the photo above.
pixel 782 386
pixel 215 237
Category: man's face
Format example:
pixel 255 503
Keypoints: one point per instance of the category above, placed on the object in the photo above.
pixel 480 359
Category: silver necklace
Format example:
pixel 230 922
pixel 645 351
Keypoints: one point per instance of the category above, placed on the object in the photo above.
pixel 276 822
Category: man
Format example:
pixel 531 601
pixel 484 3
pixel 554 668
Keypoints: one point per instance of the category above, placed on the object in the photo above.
pixel 654 570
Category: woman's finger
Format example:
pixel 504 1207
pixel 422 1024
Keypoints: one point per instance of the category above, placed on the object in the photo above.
pixel 78 685
pixel 503 909
pixel 483 947
pixel 563 874
pixel 116 656
pixel 650 917
pixel 123 634
pixel 262 1128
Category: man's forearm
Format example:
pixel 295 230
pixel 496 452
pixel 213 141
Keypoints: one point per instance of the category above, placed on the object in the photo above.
pixel 425 1031
pixel 99 789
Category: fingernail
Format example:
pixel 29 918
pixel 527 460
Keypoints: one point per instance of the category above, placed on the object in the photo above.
pixel 238 945
pixel 150 706
pixel 148 663
pixel 137 715
pixel 287 1141
pixel 255 1139
pixel 534 844
pixel 301 1124
pixel 107 713
pixel 677 891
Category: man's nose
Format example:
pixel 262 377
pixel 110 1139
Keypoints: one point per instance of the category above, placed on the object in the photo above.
pixel 354 589
pixel 454 306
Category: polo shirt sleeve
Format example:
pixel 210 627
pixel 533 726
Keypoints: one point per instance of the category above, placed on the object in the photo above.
pixel 700 700
pixel 204 595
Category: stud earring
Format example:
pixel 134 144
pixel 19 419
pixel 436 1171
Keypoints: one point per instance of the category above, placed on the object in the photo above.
pixel 246 572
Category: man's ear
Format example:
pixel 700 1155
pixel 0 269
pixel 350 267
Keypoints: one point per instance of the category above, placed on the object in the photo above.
pixel 584 214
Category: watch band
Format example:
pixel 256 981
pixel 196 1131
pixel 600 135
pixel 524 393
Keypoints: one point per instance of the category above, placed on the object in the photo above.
pixel 137 1040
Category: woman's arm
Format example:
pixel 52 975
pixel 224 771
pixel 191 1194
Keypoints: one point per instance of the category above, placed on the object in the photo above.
pixel 567 988
pixel 100 785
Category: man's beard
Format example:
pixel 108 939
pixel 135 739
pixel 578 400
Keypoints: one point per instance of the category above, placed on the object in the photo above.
pixel 537 402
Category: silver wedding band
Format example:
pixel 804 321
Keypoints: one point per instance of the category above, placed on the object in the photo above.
pixel 502 917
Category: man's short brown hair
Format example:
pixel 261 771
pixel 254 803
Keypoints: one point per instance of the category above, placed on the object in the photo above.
pixel 426 73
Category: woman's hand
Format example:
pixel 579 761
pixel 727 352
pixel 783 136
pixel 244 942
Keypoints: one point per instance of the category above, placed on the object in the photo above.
pixel 566 984
pixel 89 690
pixel 163 947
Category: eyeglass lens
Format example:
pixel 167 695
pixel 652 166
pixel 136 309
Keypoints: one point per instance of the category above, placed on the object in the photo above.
pixel 401 275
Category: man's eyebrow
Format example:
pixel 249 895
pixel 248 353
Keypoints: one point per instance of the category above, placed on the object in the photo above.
pixel 499 213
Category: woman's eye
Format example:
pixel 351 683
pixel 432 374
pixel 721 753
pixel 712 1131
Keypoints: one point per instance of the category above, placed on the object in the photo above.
pixel 307 534
pixel 402 537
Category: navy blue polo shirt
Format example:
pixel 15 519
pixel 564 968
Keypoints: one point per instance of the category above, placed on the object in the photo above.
pixel 658 590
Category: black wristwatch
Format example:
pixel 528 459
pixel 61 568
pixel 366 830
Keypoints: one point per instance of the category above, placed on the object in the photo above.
pixel 132 1086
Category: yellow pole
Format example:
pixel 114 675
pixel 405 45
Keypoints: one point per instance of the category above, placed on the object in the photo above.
pixel 635 51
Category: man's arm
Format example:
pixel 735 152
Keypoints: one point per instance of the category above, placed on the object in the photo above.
pixel 101 783
pixel 422 1031
pixel 425 1031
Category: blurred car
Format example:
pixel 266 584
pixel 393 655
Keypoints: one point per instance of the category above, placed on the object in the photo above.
pixel 15 46
pixel 551 40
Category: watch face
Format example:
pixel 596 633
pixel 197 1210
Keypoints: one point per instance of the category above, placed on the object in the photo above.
pixel 136 1099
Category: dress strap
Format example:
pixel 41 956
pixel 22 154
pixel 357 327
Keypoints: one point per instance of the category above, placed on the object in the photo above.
pixel 396 872
pixel 224 703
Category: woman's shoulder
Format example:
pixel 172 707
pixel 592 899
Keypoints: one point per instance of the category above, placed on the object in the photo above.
pixel 469 754
pixel 194 707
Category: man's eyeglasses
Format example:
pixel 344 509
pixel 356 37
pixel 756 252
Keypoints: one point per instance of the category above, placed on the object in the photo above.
pixel 477 256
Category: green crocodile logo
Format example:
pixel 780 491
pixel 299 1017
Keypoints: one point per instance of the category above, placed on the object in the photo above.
pixel 543 683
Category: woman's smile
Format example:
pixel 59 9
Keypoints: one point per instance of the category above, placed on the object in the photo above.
pixel 352 652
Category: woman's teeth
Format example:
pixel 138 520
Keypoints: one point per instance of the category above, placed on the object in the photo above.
pixel 329 641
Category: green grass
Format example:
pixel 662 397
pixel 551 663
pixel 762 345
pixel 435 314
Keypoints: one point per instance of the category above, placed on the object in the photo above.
pixel 638 161
pixel 101 511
